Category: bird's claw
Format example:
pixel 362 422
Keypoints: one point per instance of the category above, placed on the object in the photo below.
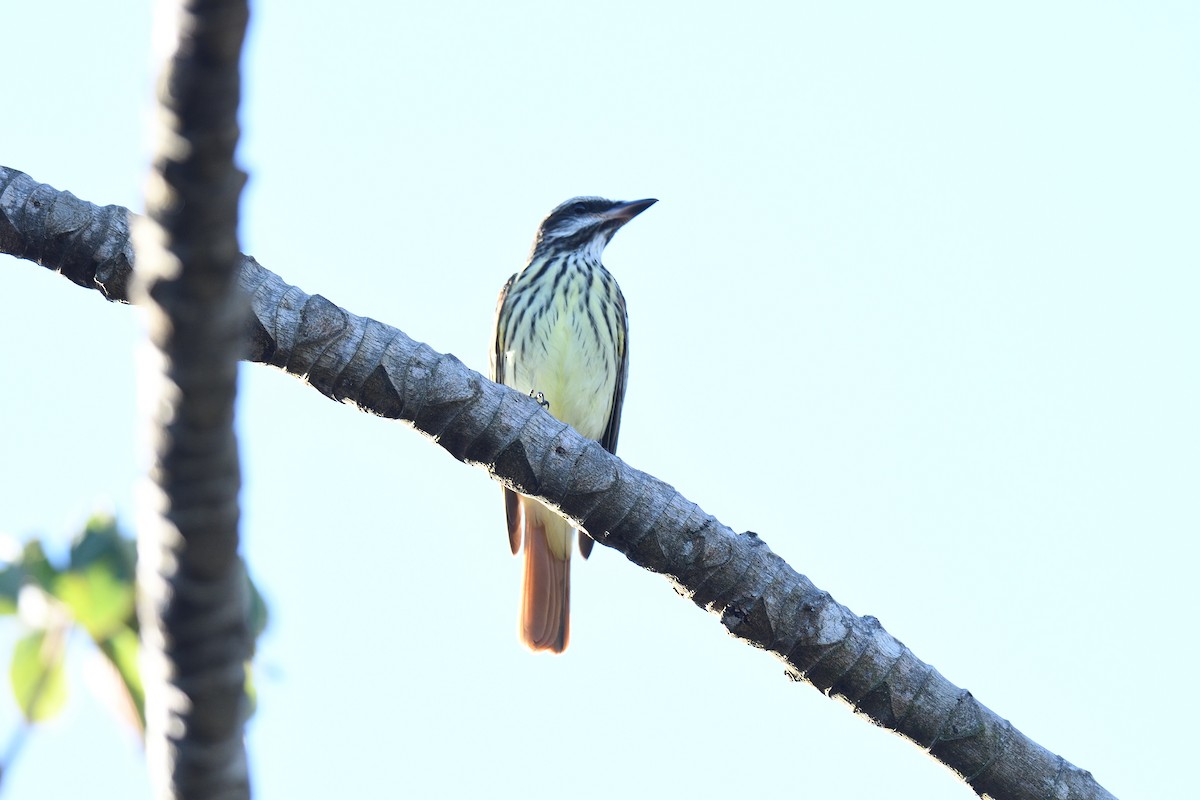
pixel 540 398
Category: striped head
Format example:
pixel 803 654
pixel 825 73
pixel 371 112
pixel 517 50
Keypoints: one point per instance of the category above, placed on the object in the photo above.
pixel 583 225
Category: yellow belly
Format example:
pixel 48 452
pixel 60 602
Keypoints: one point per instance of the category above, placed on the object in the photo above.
pixel 568 365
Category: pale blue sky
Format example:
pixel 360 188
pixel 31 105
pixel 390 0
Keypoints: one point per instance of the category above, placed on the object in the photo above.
pixel 917 304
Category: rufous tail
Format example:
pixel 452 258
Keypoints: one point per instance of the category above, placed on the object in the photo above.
pixel 546 598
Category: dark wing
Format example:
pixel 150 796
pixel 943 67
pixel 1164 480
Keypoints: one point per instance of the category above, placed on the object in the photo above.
pixel 609 440
pixel 496 356
pixel 512 505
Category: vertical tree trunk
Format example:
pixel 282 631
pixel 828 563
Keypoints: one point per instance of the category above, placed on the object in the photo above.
pixel 193 606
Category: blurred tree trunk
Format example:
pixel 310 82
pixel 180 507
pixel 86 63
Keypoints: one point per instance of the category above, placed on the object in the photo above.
pixel 194 602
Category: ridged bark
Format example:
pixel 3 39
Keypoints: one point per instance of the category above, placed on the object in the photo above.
pixel 758 596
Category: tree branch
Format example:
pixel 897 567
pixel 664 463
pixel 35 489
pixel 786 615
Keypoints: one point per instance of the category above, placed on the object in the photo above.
pixel 758 597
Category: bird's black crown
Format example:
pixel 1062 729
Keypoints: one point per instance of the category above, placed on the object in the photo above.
pixel 573 225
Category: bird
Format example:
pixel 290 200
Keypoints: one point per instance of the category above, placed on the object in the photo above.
pixel 561 336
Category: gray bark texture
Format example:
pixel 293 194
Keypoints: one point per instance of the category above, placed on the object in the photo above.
pixel 193 599
pixel 758 597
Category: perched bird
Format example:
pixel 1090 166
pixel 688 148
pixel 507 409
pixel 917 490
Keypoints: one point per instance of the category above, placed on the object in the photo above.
pixel 561 337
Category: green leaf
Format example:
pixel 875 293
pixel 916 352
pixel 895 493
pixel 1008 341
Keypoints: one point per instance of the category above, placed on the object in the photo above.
pixel 37 566
pixel 101 541
pixel 98 585
pixel 251 692
pixel 12 577
pixel 258 616
pixel 38 679
pixel 100 600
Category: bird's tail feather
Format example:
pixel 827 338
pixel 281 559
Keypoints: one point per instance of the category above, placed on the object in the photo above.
pixel 545 601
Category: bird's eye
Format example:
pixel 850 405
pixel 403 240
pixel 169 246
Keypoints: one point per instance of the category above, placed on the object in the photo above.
pixel 579 208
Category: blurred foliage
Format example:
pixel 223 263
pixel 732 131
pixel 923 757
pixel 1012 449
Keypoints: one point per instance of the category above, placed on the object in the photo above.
pixel 38 678
pixel 93 593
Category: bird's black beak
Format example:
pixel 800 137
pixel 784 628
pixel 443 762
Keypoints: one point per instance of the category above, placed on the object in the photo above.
pixel 623 212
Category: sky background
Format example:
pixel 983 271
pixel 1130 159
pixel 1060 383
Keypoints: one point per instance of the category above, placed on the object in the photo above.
pixel 918 305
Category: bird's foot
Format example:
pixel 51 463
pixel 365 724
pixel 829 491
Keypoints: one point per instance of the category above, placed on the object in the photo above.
pixel 541 399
